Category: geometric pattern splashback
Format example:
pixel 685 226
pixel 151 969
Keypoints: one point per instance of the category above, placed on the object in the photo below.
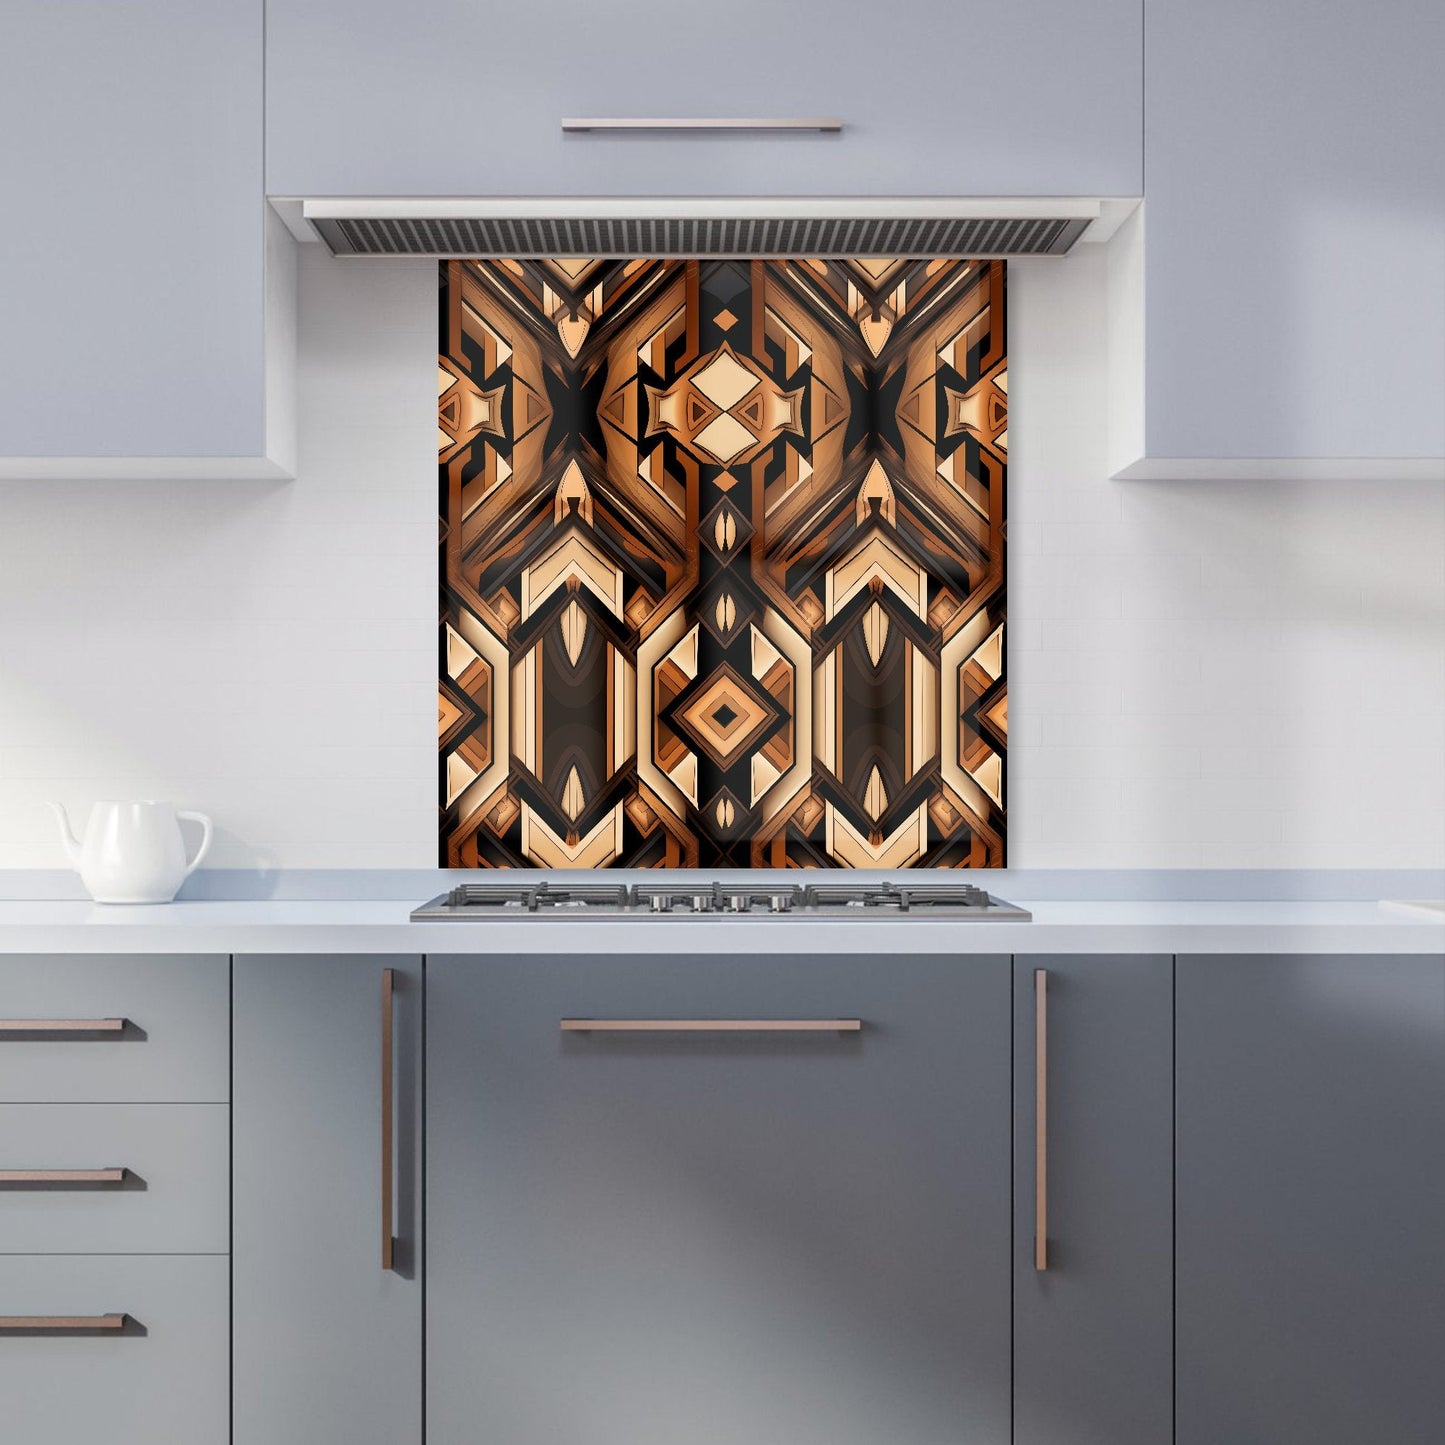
pixel 722 563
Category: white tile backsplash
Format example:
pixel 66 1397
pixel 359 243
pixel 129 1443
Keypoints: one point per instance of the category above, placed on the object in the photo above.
pixel 1222 674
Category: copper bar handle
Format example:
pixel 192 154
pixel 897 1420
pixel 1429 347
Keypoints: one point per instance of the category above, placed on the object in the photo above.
pixel 711 1026
pixel 77 1323
pixel 388 1118
pixel 1041 1119
pixel 62 1176
pixel 86 1028
pixel 703 125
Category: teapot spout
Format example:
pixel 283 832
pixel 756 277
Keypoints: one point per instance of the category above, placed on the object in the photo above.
pixel 68 840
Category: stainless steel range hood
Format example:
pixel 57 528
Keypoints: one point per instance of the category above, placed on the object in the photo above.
pixel 703 226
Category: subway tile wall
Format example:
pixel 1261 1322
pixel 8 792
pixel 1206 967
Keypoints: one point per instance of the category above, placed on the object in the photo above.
pixel 1202 674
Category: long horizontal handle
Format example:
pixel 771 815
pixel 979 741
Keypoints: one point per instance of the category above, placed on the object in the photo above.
pixel 78 1323
pixel 711 1026
pixel 757 125
pixel 62 1176
pixel 86 1027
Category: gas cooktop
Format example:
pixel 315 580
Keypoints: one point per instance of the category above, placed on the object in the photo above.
pixel 473 901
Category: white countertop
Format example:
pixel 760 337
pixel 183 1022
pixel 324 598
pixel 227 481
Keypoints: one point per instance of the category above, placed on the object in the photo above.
pixel 382 926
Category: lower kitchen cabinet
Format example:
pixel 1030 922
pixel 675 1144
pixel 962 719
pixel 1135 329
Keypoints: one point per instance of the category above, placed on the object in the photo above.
pixel 326 1336
pixel 1093 1356
pixel 637 1237
pixel 1311 1193
pixel 127 1349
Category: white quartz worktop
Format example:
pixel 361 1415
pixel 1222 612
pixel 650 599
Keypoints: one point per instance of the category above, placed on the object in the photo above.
pixel 382 926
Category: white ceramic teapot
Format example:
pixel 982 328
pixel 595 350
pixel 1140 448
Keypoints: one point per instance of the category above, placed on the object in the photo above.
pixel 133 852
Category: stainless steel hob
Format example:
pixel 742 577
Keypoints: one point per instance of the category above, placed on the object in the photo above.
pixel 543 899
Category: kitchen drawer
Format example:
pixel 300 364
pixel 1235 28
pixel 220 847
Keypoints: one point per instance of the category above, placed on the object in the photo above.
pixel 161 1380
pixel 173 1049
pixel 172 1198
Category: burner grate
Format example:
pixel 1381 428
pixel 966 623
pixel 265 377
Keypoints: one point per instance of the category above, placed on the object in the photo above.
pixel 894 897
pixel 536 896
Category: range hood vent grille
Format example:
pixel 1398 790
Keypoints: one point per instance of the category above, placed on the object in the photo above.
pixel 673 236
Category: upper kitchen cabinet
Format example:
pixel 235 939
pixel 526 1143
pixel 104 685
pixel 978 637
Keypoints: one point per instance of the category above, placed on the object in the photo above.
pixel 1289 292
pixel 936 97
pixel 144 305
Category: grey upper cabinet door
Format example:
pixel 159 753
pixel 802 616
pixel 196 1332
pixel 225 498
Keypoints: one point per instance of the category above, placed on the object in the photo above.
pixel 937 97
pixel 1311 1190
pixel 1295 234
pixel 327 1342
pixel 1093 1356
pixel 132 293
pixel 643 1238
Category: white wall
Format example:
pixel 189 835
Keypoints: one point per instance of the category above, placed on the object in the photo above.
pixel 1219 674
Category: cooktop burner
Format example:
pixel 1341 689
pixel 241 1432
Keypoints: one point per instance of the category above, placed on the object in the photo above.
pixel 715 899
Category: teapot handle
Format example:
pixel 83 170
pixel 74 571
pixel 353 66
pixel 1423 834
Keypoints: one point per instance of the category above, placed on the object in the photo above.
pixel 201 852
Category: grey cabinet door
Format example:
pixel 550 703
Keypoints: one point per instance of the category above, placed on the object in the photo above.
pixel 637 1239
pixel 1332 228
pixel 937 97
pixel 1310 1194
pixel 1093 1357
pixel 327 1344
pixel 133 299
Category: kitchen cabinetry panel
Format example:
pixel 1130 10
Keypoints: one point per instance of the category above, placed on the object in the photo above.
pixel 163 1377
pixel 133 294
pixel 327 1343
pixel 640 1238
pixel 172 1048
pixel 1093 1358
pixel 173 1197
pixel 937 97
pixel 1311 1187
pixel 1294 256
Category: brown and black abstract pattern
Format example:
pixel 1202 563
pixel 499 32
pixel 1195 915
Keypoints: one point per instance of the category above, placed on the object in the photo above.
pixel 722 563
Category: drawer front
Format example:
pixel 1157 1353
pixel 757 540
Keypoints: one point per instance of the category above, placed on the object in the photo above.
pixel 171 1197
pixel 163 1377
pixel 173 1048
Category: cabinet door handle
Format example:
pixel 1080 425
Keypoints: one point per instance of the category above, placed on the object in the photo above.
pixel 711 1026
pixel 1041 1118
pixel 62 1176
pixel 388 1118
pixel 70 1324
pixel 81 1028
pixel 733 125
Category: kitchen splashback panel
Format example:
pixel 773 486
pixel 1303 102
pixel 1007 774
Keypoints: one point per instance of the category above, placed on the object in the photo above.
pixel 722 563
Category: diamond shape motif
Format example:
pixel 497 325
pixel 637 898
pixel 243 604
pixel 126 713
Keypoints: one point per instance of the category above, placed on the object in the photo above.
pixel 724 381
pixel 728 814
pixel 725 531
pixel 726 715
pixel 724 438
